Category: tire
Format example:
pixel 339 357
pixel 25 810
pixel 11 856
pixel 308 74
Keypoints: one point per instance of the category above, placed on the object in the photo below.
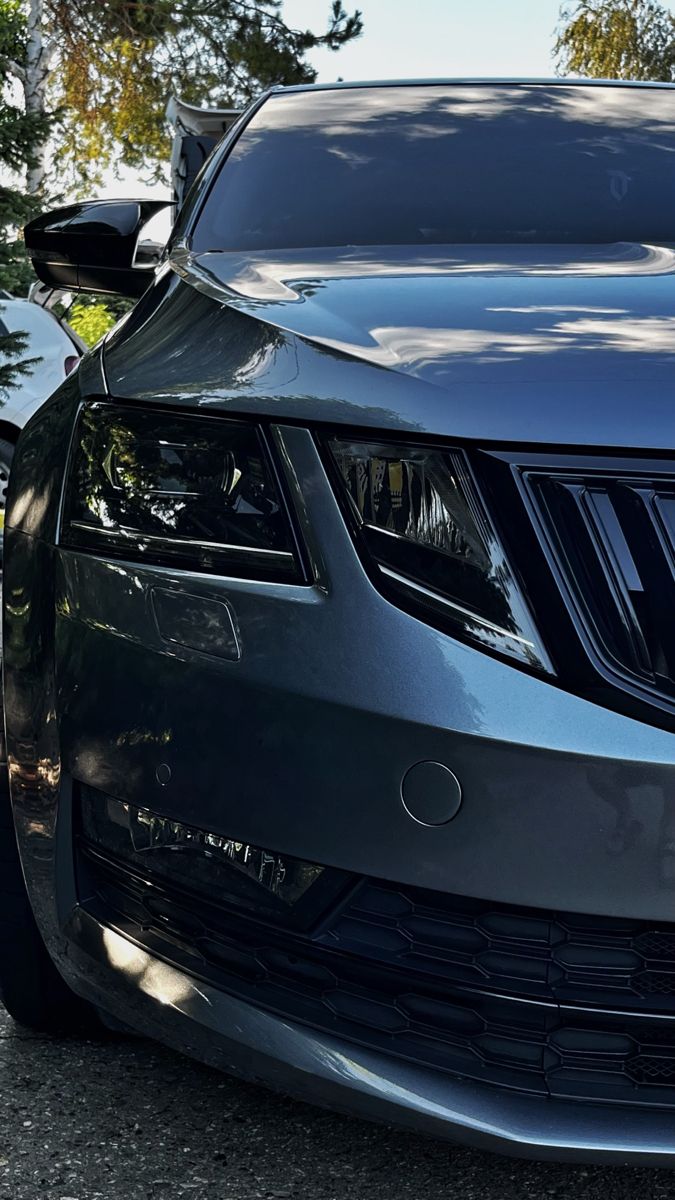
pixel 31 988
pixel 6 456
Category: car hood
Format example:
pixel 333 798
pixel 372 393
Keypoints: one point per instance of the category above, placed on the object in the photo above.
pixel 572 344
pixel 454 315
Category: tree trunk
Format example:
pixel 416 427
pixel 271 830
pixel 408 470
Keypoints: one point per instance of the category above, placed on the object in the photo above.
pixel 35 88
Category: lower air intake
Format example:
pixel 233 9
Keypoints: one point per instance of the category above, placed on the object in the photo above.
pixel 525 999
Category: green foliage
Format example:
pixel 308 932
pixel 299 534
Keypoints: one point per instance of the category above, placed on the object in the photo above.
pixel 19 134
pixel 120 61
pixel 15 272
pixel 13 364
pixel 617 39
pixel 91 321
pixel 114 67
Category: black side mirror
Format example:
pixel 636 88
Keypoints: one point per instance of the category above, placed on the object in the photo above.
pixel 93 247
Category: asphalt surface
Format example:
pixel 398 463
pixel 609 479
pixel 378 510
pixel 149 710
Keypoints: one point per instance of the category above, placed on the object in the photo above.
pixel 124 1119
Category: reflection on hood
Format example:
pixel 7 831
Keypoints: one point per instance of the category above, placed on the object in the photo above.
pixel 451 313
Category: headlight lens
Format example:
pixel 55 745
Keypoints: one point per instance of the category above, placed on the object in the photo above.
pixel 178 490
pixel 424 527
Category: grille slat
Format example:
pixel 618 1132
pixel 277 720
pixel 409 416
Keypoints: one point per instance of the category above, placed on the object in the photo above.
pixel 636 511
pixel 611 537
pixel 611 547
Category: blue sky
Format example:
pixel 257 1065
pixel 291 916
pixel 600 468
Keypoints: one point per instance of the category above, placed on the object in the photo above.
pixel 437 37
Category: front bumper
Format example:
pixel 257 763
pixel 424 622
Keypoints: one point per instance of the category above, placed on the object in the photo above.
pixel 165 1003
pixel 301 745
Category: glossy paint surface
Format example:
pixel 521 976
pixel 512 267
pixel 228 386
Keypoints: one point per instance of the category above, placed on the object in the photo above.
pixel 91 246
pixel 473 342
pixel 124 697
pixel 289 714
pixel 420 696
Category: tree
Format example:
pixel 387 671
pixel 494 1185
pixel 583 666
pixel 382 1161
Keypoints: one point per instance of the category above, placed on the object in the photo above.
pixel 110 68
pixel 20 133
pixel 91 321
pixel 617 39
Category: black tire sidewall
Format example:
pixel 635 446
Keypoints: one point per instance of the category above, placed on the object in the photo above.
pixel 31 988
pixel 6 456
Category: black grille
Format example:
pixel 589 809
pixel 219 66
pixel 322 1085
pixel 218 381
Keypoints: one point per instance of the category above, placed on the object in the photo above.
pixel 562 957
pixel 610 535
pixel 522 999
pixel 647 1068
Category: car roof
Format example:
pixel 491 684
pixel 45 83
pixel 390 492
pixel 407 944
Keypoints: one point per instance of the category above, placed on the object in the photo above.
pixel 18 314
pixel 19 304
pixel 477 81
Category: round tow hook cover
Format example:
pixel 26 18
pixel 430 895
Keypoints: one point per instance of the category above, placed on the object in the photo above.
pixel 431 793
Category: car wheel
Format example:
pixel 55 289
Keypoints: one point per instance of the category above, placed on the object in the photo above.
pixel 31 988
pixel 6 456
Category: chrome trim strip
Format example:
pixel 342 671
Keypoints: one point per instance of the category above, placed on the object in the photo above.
pixel 192 543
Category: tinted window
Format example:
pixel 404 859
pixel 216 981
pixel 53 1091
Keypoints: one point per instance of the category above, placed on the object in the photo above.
pixel 437 164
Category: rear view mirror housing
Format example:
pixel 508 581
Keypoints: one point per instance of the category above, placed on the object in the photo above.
pixel 94 246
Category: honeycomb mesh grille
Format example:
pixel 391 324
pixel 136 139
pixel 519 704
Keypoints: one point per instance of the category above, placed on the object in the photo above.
pixel 567 958
pixel 647 1068
pixel 527 1000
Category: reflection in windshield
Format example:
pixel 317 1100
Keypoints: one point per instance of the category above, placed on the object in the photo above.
pixel 448 163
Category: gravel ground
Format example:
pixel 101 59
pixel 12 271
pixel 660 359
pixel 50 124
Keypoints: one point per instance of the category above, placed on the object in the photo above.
pixel 123 1119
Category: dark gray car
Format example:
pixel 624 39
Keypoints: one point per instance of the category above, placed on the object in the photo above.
pixel 339 637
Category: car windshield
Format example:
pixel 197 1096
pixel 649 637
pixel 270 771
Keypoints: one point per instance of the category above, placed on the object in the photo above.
pixel 438 164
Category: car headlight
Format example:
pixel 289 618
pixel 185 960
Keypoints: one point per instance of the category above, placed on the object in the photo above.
pixel 422 525
pixel 186 491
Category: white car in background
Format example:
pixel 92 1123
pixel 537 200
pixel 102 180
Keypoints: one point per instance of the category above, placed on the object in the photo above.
pixel 59 350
